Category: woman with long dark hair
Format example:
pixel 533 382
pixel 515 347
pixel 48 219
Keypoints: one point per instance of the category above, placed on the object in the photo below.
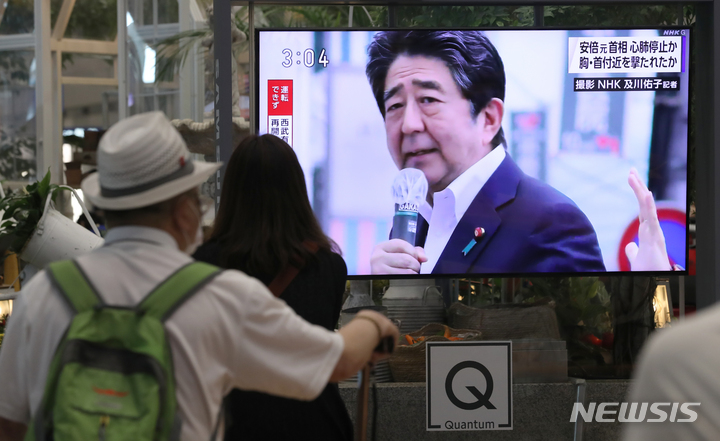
pixel 264 225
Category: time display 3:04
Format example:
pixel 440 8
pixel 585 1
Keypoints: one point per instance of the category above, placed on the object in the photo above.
pixel 307 57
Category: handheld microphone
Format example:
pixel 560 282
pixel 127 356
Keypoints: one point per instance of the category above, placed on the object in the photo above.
pixel 409 191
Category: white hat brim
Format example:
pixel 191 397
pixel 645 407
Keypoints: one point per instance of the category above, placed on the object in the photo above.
pixel 201 172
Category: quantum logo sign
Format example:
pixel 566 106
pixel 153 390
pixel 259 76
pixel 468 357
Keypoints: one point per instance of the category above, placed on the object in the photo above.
pixel 469 386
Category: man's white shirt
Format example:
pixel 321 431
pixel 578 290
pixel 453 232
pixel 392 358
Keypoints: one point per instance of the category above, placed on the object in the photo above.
pixel 450 205
pixel 232 333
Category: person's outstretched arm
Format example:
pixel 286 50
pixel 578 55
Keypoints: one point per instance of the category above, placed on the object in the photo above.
pixel 362 335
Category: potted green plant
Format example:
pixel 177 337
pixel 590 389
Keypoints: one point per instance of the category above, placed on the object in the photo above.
pixel 21 212
pixel 38 233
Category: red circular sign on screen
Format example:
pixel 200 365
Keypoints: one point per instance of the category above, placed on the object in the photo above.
pixel 673 222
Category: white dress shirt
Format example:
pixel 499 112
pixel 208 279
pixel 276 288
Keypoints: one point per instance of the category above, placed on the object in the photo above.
pixel 450 204
pixel 231 333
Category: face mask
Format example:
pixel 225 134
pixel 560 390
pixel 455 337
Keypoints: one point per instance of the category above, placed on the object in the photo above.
pixel 198 240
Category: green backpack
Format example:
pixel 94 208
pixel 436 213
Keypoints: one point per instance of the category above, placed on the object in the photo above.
pixel 112 375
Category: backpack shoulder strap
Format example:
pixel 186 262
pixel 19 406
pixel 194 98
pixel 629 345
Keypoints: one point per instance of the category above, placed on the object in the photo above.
pixel 74 285
pixel 176 289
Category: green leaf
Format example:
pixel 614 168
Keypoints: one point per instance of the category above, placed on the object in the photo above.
pixel 44 187
pixel 12 208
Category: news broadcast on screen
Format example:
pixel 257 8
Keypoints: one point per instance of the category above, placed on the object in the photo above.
pixel 497 152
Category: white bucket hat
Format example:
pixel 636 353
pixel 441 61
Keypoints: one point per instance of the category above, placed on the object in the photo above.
pixel 143 160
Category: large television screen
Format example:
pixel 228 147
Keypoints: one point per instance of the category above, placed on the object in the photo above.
pixel 525 139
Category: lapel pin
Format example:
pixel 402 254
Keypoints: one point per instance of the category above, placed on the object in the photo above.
pixel 479 233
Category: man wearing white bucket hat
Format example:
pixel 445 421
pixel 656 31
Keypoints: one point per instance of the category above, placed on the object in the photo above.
pixel 233 333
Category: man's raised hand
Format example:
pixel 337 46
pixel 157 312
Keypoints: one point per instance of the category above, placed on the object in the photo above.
pixel 651 253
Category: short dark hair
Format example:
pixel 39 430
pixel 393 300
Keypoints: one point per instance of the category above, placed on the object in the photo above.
pixel 474 63
pixel 265 214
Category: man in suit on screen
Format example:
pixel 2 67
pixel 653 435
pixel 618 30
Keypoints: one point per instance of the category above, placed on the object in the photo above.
pixel 441 96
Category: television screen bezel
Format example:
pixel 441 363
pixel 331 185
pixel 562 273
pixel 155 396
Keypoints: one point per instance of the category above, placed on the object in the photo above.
pixel 507 275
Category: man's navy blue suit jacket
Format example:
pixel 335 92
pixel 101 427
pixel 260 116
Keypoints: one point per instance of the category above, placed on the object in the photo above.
pixel 529 228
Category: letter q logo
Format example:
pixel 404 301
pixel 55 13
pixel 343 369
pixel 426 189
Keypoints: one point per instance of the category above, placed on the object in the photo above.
pixel 483 399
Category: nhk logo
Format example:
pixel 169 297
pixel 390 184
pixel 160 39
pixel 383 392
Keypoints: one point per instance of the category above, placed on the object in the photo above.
pixel 635 412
